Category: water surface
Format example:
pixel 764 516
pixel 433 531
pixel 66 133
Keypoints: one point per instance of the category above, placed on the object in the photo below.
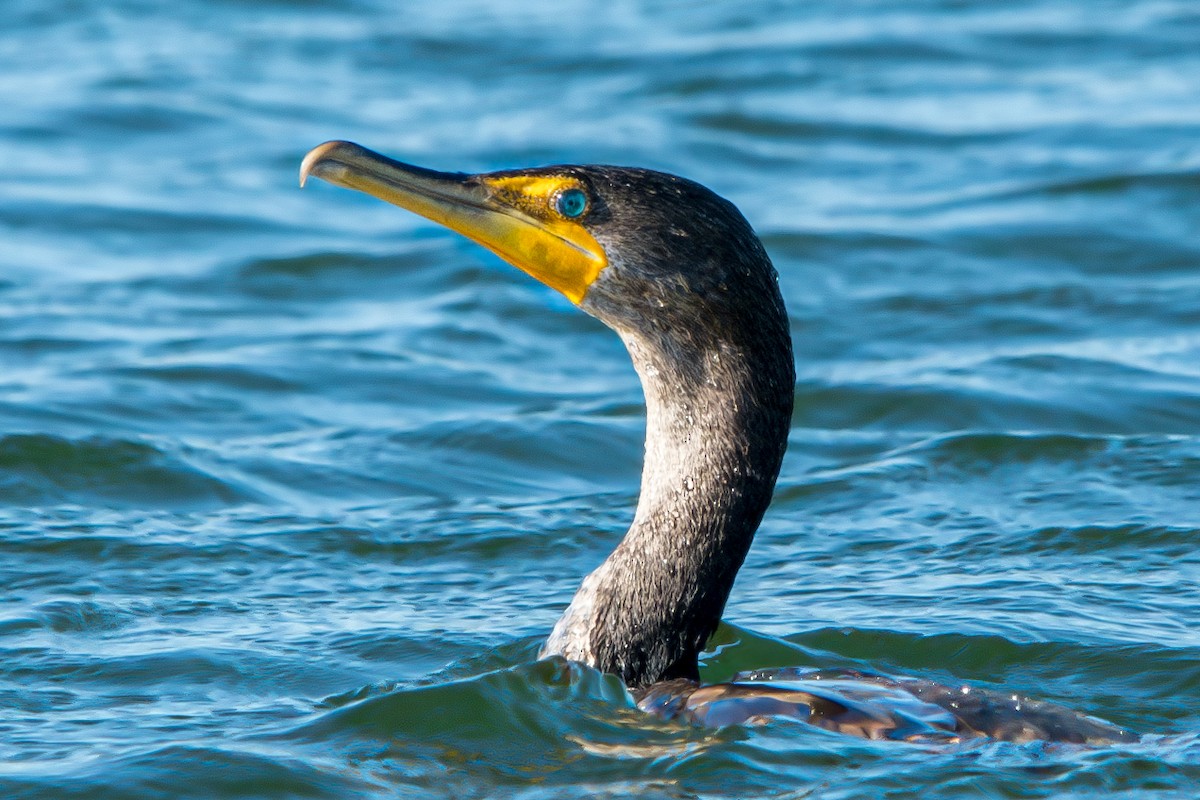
pixel 293 484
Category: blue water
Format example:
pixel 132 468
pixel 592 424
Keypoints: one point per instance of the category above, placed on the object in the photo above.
pixel 292 484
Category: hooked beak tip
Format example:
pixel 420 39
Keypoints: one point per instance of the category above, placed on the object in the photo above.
pixel 311 165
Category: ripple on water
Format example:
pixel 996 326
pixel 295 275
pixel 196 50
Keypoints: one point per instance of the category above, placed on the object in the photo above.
pixel 177 770
pixel 38 469
pixel 83 616
pixel 269 459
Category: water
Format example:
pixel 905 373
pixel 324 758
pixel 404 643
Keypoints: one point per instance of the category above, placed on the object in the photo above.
pixel 293 483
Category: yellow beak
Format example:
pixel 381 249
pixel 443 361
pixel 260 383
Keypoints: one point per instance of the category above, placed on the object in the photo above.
pixel 514 218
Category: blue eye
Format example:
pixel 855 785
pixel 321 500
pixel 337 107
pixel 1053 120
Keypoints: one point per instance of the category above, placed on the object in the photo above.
pixel 571 203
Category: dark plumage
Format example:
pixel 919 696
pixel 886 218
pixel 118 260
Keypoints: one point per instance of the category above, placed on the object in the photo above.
pixel 678 273
pixel 693 294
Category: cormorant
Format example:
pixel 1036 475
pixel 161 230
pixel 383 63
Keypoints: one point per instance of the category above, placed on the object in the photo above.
pixel 682 278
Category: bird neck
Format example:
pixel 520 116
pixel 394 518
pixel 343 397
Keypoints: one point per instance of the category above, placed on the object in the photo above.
pixel 717 418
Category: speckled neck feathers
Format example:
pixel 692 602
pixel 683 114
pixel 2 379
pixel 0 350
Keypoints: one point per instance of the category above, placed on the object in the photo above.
pixel 714 356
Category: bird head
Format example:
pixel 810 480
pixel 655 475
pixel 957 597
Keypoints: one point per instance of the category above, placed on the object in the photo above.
pixel 634 247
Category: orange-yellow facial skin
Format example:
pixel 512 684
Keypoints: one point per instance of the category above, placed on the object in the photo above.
pixel 513 216
pixel 556 250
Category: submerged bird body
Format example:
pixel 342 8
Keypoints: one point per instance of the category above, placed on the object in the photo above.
pixel 681 277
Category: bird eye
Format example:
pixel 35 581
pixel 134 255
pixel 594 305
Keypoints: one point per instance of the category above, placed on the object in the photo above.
pixel 571 203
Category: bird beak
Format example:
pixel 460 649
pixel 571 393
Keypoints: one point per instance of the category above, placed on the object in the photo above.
pixel 512 217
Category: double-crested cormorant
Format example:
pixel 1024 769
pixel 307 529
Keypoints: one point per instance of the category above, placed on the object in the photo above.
pixel 681 277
